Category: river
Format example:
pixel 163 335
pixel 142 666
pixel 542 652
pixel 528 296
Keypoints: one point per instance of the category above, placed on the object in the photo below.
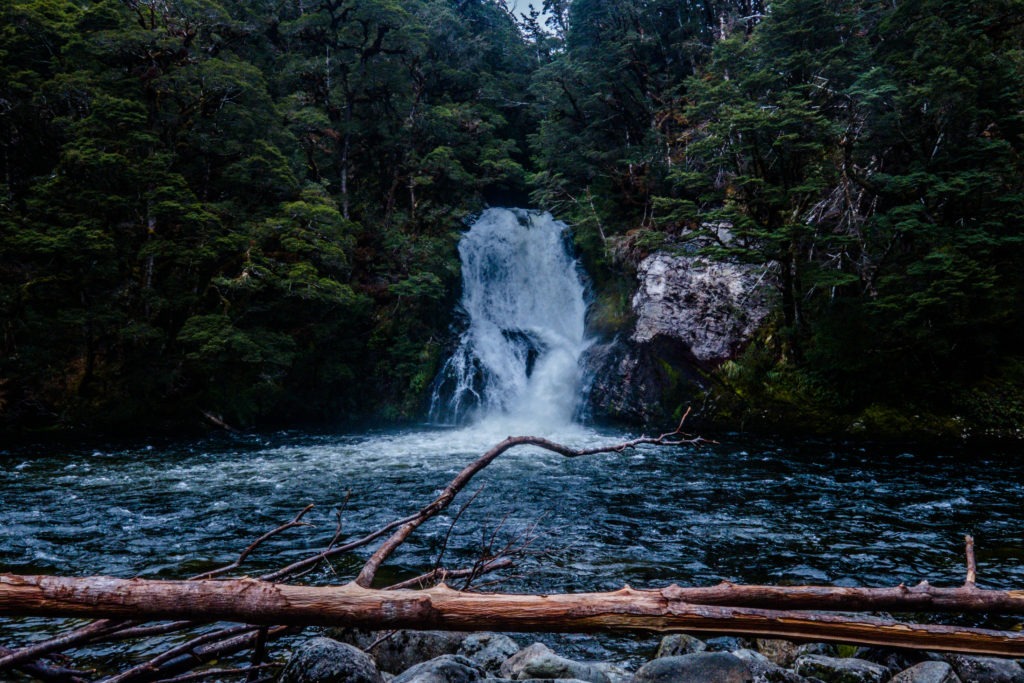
pixel 743 510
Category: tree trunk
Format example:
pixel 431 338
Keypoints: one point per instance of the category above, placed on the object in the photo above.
pixel 667 609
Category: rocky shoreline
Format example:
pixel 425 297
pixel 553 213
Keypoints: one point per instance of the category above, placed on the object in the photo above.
pixel 350 656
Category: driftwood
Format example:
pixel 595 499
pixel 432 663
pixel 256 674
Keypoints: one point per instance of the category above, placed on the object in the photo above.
pixel 269 607
pixel 668 609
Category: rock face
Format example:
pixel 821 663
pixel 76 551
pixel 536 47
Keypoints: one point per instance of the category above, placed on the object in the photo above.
pixel 692 314
pixel 322 660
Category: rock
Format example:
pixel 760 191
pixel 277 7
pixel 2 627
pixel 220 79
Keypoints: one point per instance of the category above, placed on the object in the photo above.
pixel 713 307
pixel 511 666
pixel 679 644
pixel 986 669
pixel 699 667
pixel 323 660
pixel 538 661
pixel 443 669
pixel 691 315
pixel 840 670
pixel 402 650
pixel 488 650
pixel 893 659
pixel 927 672
pixel 764 670
pixel 726 644
pixel 615 674
pixel 780 652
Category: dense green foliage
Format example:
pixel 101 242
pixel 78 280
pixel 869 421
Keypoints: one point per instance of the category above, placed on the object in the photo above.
pixel 868 154
pixel 250 208
pixel 243 208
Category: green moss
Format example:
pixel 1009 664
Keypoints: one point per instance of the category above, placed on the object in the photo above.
pixel 611 311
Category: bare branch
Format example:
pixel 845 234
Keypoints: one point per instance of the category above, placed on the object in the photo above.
pixel 297 521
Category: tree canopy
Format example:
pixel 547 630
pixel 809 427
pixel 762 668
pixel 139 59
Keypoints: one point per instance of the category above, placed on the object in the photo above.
pixel 250 209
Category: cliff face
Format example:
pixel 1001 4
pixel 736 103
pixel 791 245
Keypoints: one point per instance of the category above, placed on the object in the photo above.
pixel 691 315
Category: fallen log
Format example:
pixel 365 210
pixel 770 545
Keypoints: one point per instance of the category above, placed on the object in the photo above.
pixel 662 610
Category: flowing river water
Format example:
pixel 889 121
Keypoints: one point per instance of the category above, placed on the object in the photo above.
pixel 744 510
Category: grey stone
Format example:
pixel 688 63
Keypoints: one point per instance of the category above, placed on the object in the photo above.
pixel 488 650
pixel 511 666
pixel 726 644
pixel 323 660
pixel 764 670
pixel 615 673
pixel 699 667
pixel 691 315
pixel 927 672
pixel 780 652
pixel 443 669
pixel 714 307
pixel 986 669
pixel 403 649
pixel 538 661
pixel 893 659
pixel 840 670
pixel 679 644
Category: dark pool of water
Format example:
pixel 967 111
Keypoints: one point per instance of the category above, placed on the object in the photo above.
pixel 743 511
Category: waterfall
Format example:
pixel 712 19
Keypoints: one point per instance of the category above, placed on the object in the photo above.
pixel 524 303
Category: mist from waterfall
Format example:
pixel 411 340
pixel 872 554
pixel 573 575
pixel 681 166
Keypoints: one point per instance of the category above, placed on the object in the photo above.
pixel 518 360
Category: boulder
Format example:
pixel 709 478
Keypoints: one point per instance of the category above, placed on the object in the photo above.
pixel 488 650
pixel 764 670
pixel 726 644
pixel 323 660
pixel 538 661
pixel 986 669
pixel 443 669
pixel 780 652
pixel 615 673
pixel 714 307
pixel 785 652
pixel 927 672
pixel 893 659
pixel 402 649
pixel 699 667
pixel 840 670
pixel 679 644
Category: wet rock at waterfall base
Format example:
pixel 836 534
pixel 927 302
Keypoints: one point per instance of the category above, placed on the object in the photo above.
pixel 691 315
pixel 927 672
pixel 679 644
pixel 699 667
pixel 323 660
pixel 840 670
pixel 986 669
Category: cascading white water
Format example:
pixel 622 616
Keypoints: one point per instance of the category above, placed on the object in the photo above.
pixel 525 304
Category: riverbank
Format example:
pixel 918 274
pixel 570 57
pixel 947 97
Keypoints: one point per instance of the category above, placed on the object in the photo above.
pixel 446 657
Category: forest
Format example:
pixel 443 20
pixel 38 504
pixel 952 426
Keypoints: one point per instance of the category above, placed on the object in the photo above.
pixel 250 209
